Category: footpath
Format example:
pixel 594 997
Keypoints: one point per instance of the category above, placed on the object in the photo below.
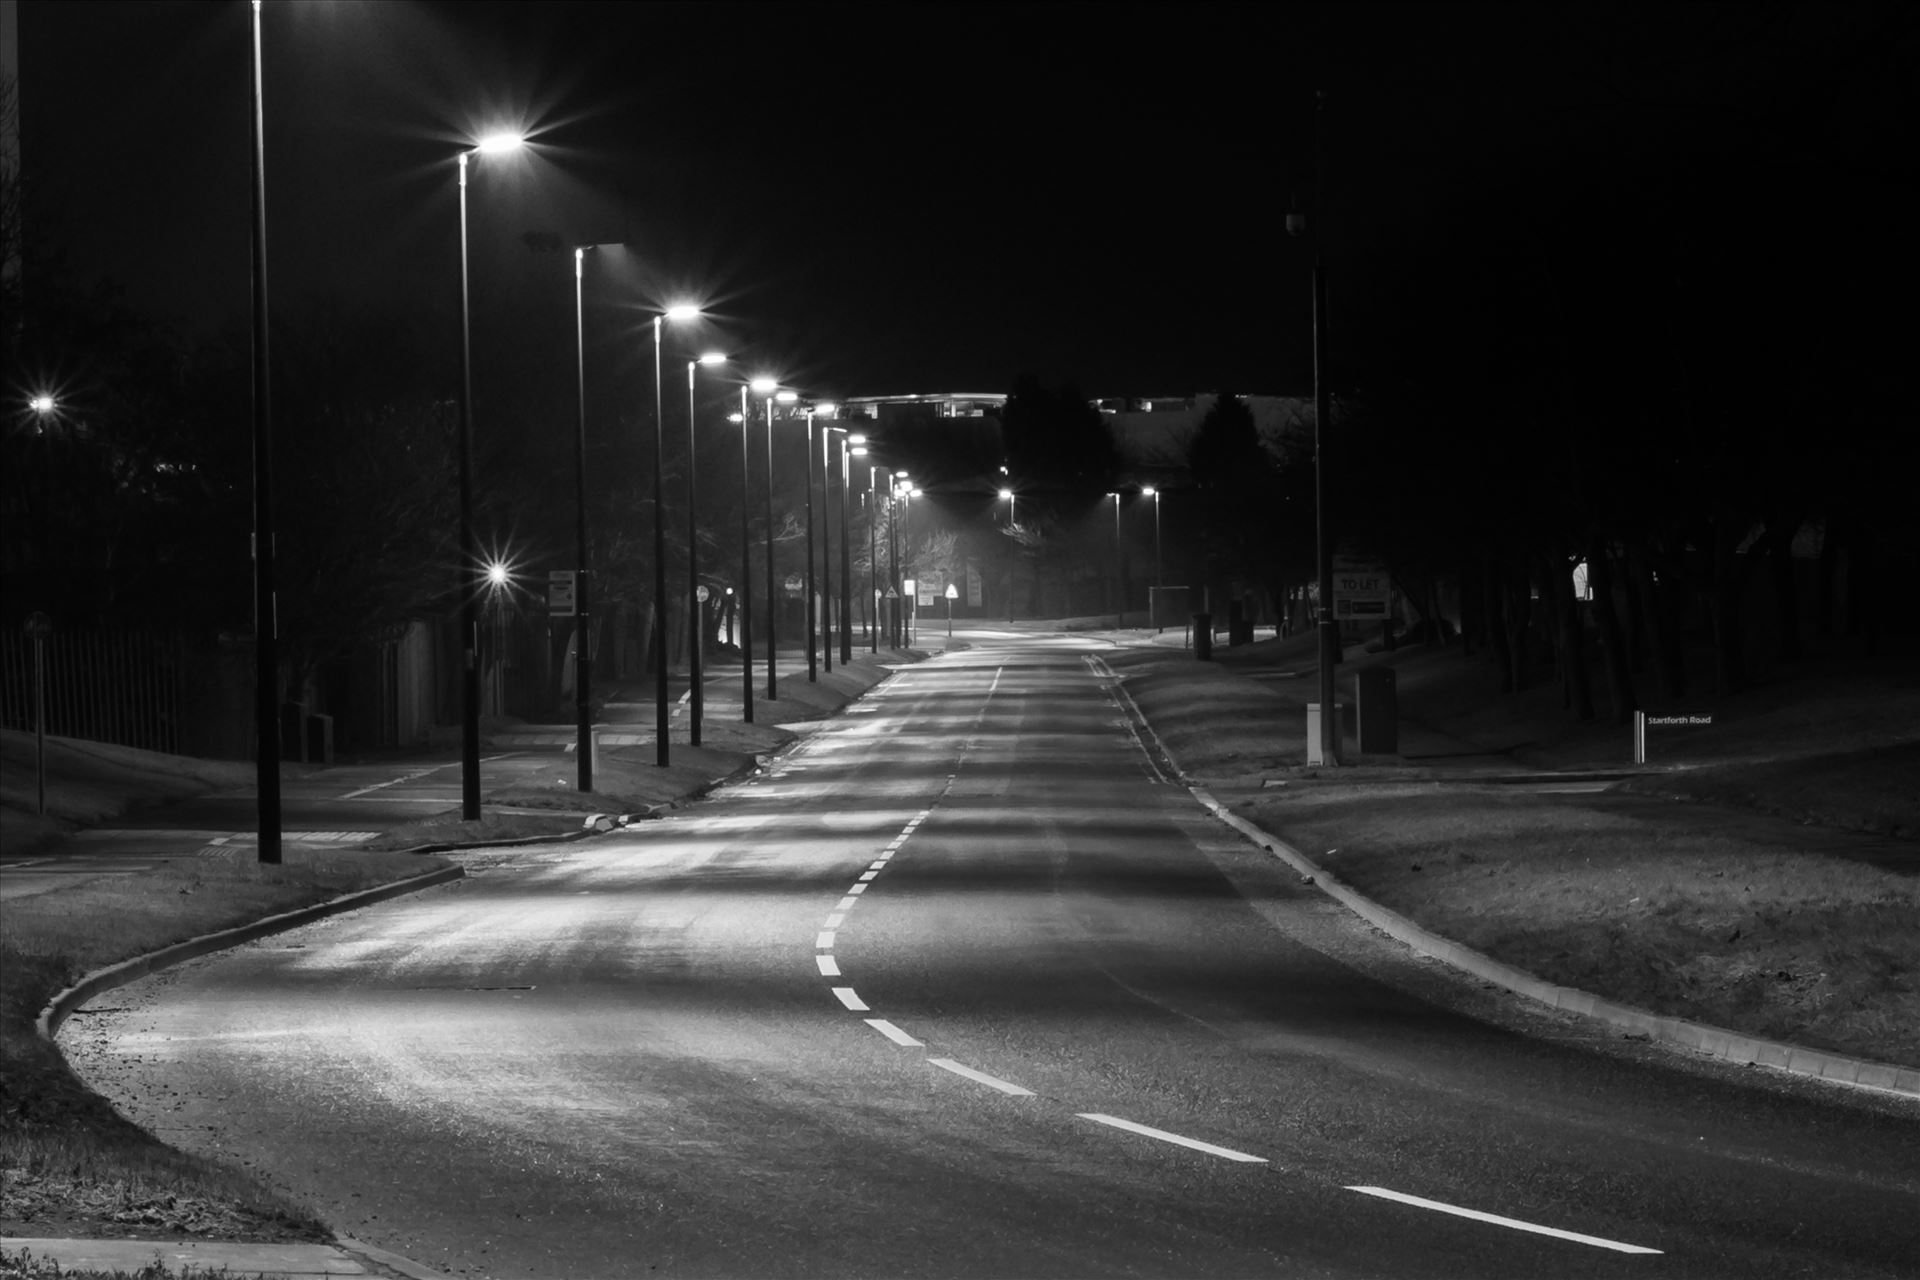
pixel 1479 853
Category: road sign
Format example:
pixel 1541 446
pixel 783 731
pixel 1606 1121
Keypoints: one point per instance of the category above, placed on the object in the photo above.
pixel 701 594
pixel 953 592
pixel 560 593
pixel 1362 590
pixel 795 583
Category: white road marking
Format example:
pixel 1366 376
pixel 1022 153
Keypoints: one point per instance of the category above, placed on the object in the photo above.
pixel 868 875
pixel 893 1033
pixel 850 1000
pixel 845 905
pixel 997 672
pixel 824 941
pixel 393 782
pixel 1224 1153
pixel 878 863
pixel 856 890
pixel 1499 1221
pixel 981 1077
pixel 829 967
pixel 833 921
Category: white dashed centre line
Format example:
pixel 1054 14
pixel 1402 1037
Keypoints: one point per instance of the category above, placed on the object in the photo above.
pixel 878 864
pixel 981 1077
pixel 829 967
pixel 867 875
pixel 849 999
pixel 893 1033
pixel 856 889
pixel 845 905
pixel 1498 1221
pixel 823 941
pixel 1224 1153
pixel 834 920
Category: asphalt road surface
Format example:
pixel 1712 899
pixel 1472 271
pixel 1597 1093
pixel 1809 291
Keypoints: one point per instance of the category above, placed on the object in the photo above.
pixel 964 987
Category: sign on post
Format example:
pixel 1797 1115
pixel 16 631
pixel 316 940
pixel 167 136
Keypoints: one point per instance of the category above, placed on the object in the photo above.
pixel 560 593
pixel 1362 591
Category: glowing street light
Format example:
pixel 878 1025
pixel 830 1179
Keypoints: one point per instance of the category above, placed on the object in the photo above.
pixel 678 312
pixel 493 144
pixel 1159 578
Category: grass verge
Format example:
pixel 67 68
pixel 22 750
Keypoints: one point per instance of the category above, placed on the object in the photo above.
pixel 71 1165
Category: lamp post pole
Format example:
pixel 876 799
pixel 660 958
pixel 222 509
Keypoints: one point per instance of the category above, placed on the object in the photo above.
pixel 1329 634
pixel 846 553
pixel 813 658
pixel 695 625
pixel 1013 521
pixel 826 551
pixel 266 661
pixel 661 749
pixel 1119 570
pixel 746 575
pixel 773 602
pixel 873 554
pixel 582 604
pixel 469 553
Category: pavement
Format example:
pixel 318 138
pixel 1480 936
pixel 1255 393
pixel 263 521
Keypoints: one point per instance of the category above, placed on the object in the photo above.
pixel 1422 748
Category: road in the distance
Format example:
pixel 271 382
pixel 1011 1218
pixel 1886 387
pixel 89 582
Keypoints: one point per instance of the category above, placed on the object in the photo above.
pixel 963 988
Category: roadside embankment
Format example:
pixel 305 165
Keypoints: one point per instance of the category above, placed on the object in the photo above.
pixel 1765 881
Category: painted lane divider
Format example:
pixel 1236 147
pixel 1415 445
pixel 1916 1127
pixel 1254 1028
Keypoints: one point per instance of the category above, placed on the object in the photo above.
pixel 829 967
pixel 981 1077
pixel 849 999
pixel 836 919
pixel 1494 1218
pixel 846 904
pixel 856 890
pixel 880 864
pixel 823 941
pixel 894 1033
pixel 1225 1153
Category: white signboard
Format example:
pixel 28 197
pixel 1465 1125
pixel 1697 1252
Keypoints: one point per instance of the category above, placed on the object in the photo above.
pixel 1362 591
pixel 560 593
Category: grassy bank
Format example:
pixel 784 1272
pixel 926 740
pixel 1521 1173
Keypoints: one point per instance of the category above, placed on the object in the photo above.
pixel 69 1165
pixel 1763 879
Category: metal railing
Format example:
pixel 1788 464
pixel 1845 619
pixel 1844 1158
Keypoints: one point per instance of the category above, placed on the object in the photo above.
pixel 105 686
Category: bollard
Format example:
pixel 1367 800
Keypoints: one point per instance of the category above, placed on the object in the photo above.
pixel 1203 637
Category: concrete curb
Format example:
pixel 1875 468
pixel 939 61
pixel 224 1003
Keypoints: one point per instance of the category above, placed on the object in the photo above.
pixel 392 1261
pixel 1716 1042
pixel 119 975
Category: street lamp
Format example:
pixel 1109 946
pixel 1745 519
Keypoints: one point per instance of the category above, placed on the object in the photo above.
pixel 1159 581
pixel 266 660
pixel 582 590
pixel 696 629
pixel 1013 522
pixel 767 388
pixel 1326 627
pixel 873 554
pixel 1119 570
pixel 813 665
pixel 743 605
pixel 470 566
pixel 849 442
pixel 661 749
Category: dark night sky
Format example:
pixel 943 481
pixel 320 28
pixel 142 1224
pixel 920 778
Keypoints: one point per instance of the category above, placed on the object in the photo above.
pixel 871 199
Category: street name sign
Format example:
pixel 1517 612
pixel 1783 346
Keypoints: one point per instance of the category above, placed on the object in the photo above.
pixel 560 593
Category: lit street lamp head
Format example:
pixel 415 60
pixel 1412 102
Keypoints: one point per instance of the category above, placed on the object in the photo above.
pixel 764 386
pixel 499 143
pixel 713 358
pixel 683 311
pixel 41 404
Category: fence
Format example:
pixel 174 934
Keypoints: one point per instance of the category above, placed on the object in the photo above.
pixel 104 686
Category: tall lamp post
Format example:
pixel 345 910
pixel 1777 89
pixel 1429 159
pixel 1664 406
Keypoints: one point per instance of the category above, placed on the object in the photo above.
pixel 1013 521
pixel 696 613
pixel 471 570
pixel 813 660
pixel 1159 580
pixel 1326 627
pixel 1119 570
pixel 582 590
pixel 743 613
pixel 767 388
pixel 826 544
pixel 873 552
pixel 661 750
pixel 849 441
pixel 266 660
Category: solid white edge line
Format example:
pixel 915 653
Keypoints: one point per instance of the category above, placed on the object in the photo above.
pixel 824 940
pixel 981 1077
pixel 894 1033
pixel 1225 1153
pixel 849 999
pixel 845 905
pixel 1498 1221
pixel 829 967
